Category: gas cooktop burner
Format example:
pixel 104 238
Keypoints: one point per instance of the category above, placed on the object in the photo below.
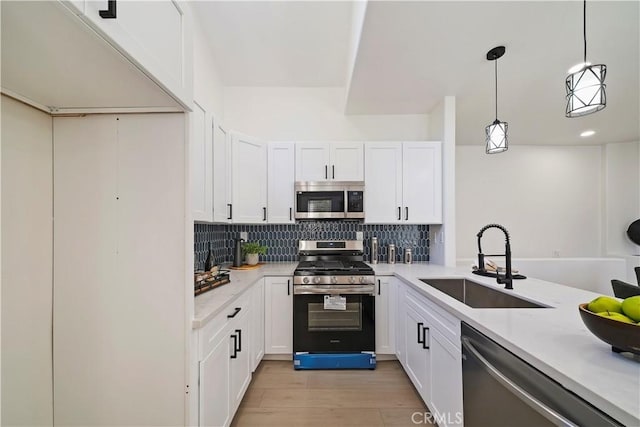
pixel 333 258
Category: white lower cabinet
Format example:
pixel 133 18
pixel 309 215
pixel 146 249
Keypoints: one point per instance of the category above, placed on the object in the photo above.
pixel 224 348
pixel 278 315
pixel 257 324
pixel 428 347
pixel 385 315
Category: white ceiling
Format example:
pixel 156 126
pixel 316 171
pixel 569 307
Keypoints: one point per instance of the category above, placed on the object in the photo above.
pixel 412 54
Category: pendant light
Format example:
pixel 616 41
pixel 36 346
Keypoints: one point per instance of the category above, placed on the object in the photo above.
pixel 496 131
pixel 585 85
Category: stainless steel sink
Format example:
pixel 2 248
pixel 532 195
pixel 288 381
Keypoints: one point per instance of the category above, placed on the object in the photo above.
pixel 477 295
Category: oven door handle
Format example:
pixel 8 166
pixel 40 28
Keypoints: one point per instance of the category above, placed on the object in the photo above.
pixel 507 383
pixel 333 290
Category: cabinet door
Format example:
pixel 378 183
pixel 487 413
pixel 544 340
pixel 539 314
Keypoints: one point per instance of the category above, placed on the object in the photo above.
pixel 401 350
pixel 201 163
pixel 446 377
pixel 312 161
pixel 240 359
pixel 280 181
pixel 385 316
pixel 278 313
pixel 417 356
pixel 257 324
pixel 383 182
pixel 214 386
pixel 249 179
pixel 422 183
pixel 154 35
pixel 221 174
pixel 347 161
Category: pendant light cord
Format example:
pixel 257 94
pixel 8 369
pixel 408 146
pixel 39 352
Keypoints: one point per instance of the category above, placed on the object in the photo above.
pixel 584 29
pixel 496 73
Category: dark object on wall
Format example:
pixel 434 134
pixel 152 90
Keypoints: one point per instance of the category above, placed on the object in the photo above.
pixel 623 289
pixel 634 231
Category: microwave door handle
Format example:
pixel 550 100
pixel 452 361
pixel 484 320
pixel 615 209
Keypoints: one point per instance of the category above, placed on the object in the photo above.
pixel 516 390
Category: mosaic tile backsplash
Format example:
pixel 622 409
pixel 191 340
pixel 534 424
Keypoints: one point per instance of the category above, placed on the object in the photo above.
pixel 282 239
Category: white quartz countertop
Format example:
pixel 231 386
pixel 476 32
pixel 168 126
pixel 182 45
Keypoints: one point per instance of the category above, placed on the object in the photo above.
pixel 554 340
pixel 209 304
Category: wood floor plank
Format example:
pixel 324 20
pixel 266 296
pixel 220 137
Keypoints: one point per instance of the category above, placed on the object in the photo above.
pixel 316 417
pixel 339 398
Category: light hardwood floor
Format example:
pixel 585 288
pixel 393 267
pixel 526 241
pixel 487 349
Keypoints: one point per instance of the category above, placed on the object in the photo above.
pixel 281 396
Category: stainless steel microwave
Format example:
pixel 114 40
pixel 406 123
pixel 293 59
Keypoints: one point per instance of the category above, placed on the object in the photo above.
pixel 329 200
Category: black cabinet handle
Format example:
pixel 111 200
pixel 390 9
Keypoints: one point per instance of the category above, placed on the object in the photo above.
pixel 399 213
pixel 110 13
pixel 231 316
pixel 378 286
pixel 239 332
pixel 288 282
pixel 424 337
pixel 333 171
pixel 264 214
pixel 235 341
pixel 290 214
pixel 230 210
pixel 419 333
pixel 325 172
pixel 406 213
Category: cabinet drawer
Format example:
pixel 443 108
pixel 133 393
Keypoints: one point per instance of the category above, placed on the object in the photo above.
pixel 445 322
pixel 213 330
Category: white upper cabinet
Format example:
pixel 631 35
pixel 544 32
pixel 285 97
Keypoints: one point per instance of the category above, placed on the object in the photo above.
pixel 221 174
pixel 422 182
pixel 249 179
pixel 403 182
pixel 383 182
pixel 280 181
pixel 329 161
pixel 154 35
pixel 201 144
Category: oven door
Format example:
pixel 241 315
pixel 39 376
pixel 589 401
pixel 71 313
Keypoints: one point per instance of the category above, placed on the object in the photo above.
pixel 320 330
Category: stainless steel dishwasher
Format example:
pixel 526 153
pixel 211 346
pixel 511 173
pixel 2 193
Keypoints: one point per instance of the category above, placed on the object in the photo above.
pixel 500 389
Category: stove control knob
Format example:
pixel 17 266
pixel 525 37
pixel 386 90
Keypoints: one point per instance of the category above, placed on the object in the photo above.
pixel 316 280
pixel 334 279
pixel 352 280
pixel 305 280
pixel 363 279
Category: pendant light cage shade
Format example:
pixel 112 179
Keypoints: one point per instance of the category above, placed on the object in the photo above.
pixel 497 137
pixel 586 91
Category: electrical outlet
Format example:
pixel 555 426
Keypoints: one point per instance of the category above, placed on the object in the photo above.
pixel 359 235
pixel 442 236
pixel 244 235
pixel 555 253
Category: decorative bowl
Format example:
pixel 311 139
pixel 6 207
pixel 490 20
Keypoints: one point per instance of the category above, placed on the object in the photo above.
pixel 621 336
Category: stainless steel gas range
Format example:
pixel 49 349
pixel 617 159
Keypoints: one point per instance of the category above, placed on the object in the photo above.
pixel 333 307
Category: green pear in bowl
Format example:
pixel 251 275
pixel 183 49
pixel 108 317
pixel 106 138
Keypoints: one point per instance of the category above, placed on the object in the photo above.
pixel 605 303
pixel 631 307
pixel 615 316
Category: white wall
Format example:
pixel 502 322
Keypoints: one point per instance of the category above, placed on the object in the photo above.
pixel 548 198
pixel 27 262
pixel 622 202
pixel 297 114
pixel 207 84
pixel 442 127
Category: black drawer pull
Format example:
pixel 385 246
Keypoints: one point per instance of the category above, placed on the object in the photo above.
pixel 288 291
pixel 235 341
pixel 239 340
pixel 378 286
pixel 290 214
pixel 230 210
pixel 264 214
pixel 406 214
pixel 110 13
pixel 399 213
pixel 419 333
pixel 325 172
pixel 333 171
pixel 236 311
pixel 424 337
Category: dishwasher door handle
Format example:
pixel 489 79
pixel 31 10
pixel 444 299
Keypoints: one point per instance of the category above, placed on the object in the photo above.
pixel 516 390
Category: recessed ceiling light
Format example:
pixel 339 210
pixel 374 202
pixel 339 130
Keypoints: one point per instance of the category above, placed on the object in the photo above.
pixel 587 133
